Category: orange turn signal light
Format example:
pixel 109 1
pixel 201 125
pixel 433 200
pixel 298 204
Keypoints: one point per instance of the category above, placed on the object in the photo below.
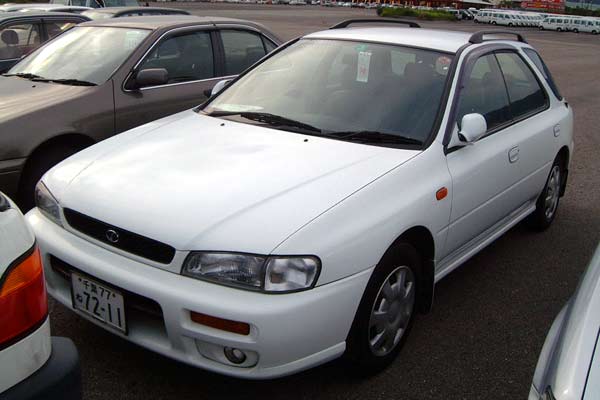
pixel 441 193
pixel 241 328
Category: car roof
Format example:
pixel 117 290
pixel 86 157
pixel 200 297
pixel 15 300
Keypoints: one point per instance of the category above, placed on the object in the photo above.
pixel 174 21
pixel 38 14
pixel 436 39
pixel 118 10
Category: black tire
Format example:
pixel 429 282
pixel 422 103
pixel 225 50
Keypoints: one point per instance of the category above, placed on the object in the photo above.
pixel 493 22
pixel 558 29
pixel 359 354
pixel 542 218
pixel 575 30
pixel 36 168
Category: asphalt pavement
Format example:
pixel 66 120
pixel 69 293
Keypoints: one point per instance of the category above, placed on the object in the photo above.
pixel 490 317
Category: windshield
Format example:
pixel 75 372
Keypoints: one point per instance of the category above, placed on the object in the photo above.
pixel 342 87
pixel 88 54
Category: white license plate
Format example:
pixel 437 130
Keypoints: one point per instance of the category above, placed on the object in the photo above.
pixel 99 301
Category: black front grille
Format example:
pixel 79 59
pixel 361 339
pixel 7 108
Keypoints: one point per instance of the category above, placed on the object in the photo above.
pixel 124 240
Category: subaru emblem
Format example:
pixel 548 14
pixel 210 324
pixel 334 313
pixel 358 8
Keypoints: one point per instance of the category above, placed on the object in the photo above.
pixel 112 236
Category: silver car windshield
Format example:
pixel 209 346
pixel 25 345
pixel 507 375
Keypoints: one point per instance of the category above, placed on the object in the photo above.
pixel 342 89
pixel 88 54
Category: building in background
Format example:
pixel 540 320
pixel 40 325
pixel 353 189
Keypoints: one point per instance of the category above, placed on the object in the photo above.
pixel 551 6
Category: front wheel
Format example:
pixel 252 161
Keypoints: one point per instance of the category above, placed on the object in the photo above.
pixel 547 202
pixel 386 311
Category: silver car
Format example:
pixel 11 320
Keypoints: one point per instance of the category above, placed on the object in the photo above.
pixel 569 364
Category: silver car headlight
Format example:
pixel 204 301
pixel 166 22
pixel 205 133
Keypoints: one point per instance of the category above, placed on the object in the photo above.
pixel 47 204
pixel 271 274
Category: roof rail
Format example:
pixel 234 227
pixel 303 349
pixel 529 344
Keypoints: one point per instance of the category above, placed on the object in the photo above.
pixel 344 24
pixel 478 37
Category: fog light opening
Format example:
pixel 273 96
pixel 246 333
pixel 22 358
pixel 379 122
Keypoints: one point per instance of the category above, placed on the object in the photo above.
pixel 235 356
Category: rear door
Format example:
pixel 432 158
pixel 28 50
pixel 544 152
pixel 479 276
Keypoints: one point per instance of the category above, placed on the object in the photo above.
pixel 242 48
pixel 190 57
pixel 17 39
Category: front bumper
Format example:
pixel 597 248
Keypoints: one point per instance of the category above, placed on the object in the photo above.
pixel 289 332
pixel 58 379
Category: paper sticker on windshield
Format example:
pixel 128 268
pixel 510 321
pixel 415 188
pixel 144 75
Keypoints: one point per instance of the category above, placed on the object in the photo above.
pixel 133 38
pixel 362 71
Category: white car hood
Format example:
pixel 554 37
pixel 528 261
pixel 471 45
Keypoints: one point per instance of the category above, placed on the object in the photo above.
pixel 201 183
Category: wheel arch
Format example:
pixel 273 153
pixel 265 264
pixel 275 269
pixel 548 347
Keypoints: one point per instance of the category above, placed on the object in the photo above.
pixel 76 140
pixel 422 240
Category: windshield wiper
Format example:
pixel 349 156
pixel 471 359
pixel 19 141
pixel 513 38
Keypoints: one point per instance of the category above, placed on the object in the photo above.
pixel 73 82
pixel 374 137
pixel 37 78
pixel 269 119
pixel 25 75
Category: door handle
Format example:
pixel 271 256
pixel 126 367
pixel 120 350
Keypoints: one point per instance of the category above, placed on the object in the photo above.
pixel 513 154
pixel 557 130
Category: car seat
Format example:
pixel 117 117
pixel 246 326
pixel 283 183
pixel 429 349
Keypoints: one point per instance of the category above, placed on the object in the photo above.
pixel 10 38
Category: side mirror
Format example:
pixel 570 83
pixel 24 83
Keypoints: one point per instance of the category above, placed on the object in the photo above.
pixel 472 128
pixel 151 77
pixel 219 86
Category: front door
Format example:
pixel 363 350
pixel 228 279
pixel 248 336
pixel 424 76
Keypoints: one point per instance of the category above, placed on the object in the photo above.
pixel 189 58
pixel 483 173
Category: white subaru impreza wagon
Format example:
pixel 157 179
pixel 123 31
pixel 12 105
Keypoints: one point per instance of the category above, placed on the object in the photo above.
pixel 308 208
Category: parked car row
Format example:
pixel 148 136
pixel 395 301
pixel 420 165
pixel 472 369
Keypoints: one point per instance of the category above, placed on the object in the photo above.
pixel 566 23
pixel 277 183
pixel 556 22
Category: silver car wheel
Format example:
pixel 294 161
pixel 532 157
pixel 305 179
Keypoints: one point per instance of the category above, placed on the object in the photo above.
pixel 392 311
pixel 552 192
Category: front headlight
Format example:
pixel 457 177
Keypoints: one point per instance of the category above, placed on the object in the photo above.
pixel 47 204
pixel 267 273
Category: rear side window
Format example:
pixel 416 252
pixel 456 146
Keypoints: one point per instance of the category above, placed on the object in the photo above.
pixel 242 49
pixel 541 65
pixel 524 91
pixel 485 93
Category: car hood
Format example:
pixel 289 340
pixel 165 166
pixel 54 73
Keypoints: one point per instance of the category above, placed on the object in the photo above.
pixel 202 183
pixel 19 96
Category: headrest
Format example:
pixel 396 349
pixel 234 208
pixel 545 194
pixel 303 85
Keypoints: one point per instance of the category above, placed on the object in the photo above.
pixel 10 37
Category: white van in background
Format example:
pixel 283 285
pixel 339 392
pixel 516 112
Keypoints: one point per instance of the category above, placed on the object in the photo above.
pixel 505 19
pixel 590 25
pixel 559 23
pixel 483 16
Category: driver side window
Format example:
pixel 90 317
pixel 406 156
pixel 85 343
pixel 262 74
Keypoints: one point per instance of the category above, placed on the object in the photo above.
pixel 187 57
pixel 485 93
